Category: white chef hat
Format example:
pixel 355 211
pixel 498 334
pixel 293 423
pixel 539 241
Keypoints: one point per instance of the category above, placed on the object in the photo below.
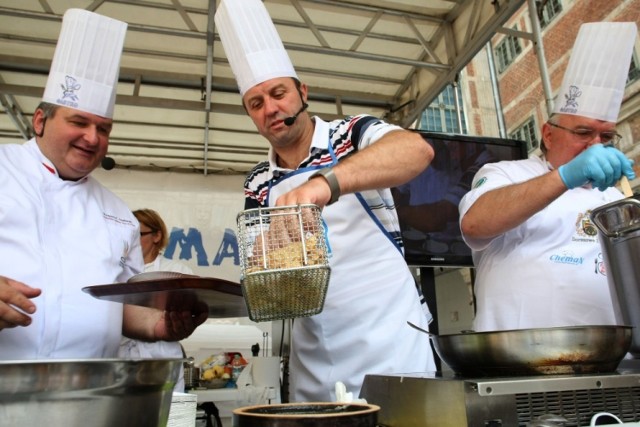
pixel 251 42
pixel 594 82
pixel 85 67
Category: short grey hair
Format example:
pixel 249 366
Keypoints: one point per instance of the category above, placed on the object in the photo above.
pixel 553 118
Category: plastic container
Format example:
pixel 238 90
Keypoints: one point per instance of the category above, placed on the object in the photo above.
pixel 237 365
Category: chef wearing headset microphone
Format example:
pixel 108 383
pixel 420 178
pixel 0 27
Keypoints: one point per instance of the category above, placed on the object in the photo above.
pixel 345 167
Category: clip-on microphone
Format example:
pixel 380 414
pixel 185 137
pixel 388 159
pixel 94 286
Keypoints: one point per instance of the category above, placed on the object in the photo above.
pixel 108 163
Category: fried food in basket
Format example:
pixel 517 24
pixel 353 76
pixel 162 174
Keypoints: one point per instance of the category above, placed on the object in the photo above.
pixel 285 262
pixel 289 256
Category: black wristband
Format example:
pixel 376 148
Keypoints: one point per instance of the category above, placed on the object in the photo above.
pixel 334 186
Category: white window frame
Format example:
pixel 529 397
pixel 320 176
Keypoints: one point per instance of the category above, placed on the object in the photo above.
pixel 550 10
pixel 507 50
pixel 528 131
pixel 440 106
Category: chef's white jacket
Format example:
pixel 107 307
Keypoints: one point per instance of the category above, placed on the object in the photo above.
pixel 61 236
pixel 546 272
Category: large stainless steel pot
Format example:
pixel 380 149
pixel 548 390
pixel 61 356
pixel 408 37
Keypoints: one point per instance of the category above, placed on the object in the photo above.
pixel 87 393
pixel 618 226
pixel 563 350
pixel 315 414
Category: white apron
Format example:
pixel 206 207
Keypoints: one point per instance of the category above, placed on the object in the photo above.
pixel 362 328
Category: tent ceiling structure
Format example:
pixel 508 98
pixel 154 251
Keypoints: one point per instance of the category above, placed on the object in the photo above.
pixel 178 107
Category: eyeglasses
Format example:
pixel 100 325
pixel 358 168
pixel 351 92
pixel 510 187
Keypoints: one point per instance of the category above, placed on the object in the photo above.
pixel 144 233
pixel 588 135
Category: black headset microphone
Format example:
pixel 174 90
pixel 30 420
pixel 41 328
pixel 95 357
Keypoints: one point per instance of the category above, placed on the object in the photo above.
pixel 289 121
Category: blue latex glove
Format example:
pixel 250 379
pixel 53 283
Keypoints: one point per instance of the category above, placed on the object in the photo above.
pixel 602 166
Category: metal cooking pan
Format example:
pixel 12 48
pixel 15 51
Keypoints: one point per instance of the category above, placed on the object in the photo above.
pixel 562 350
pixel 308 414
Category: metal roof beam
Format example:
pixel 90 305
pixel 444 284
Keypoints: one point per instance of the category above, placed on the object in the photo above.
pixel 194 81
pixel 503 13
pixel 143 101
pixel 20 13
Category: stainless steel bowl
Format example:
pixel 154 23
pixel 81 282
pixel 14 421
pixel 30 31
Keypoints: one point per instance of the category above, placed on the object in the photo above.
pixel 87 393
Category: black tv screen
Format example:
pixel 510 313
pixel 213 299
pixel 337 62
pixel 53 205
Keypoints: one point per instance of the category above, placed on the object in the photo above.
pixel 428 205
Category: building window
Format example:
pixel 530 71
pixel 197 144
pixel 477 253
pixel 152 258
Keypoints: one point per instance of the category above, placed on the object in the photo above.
pixel 527 132
pixel 547 10
pixel 634 70
pixel 506 51
pixel 441 116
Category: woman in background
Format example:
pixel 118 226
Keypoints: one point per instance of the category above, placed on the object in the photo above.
pixel 153 239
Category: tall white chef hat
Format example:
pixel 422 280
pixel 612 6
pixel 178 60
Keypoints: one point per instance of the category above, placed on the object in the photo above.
pixel 251 42
pixel 594 81
pixel 85 67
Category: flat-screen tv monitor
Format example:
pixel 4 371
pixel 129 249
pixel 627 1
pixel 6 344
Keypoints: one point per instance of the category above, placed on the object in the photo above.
pixel 427 206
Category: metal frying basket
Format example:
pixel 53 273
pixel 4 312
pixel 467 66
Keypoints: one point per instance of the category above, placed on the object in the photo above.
pixel 284 262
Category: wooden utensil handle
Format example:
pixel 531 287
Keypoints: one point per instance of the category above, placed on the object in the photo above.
pixel 626 187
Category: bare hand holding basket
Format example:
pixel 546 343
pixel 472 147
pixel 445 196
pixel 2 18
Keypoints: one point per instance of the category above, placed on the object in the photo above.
pixel 284 261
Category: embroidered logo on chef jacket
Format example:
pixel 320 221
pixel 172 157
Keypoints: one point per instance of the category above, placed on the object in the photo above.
pixel 125 254
pixel 117 220
pixel 599 265
pixel 124 224
pixel 585 230
pixel 566 257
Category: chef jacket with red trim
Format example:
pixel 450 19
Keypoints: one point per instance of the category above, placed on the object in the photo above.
pixel 61 236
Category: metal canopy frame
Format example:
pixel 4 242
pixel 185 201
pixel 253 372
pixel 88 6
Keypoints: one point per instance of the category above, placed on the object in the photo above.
pixel 178 106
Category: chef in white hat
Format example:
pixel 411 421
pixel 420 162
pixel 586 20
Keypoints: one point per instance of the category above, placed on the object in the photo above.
pixel 61 229
pixel 537 257
pixel 346 167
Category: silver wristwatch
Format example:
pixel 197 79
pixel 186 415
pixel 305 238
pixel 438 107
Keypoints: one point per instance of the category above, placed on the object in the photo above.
pixel 330 177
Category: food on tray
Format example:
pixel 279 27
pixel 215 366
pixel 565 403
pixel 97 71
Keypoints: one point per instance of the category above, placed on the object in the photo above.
pixel 215 371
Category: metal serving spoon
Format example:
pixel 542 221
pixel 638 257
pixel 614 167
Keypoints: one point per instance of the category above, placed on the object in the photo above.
pixel 431 335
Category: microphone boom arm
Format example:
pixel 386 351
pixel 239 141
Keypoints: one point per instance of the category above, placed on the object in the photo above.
pixel 289 121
